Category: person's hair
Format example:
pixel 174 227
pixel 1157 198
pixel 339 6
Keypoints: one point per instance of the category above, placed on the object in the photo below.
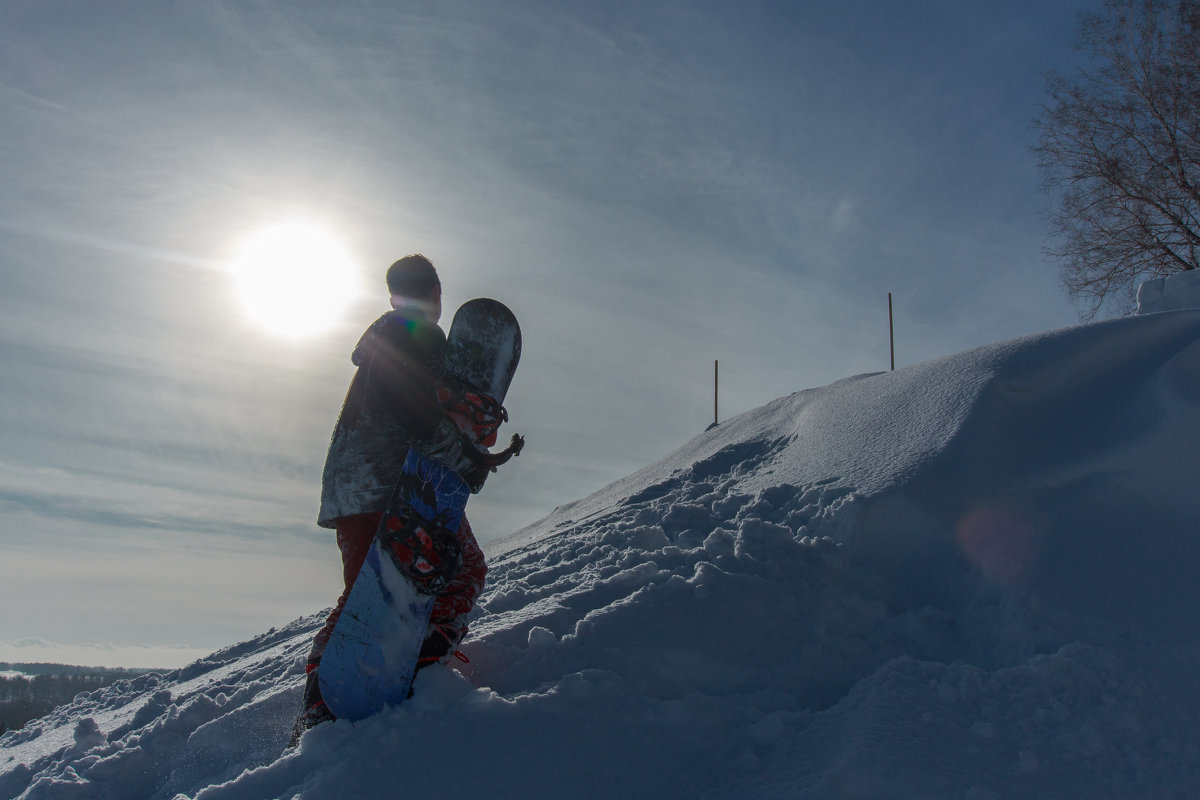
pixel 413 276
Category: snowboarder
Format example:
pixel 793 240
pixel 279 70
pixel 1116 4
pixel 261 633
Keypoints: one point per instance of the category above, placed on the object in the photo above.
pixel 392 403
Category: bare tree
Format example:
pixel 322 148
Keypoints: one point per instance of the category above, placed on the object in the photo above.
pixel 1119 149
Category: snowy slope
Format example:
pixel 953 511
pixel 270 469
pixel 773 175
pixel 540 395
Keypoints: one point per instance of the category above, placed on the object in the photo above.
pixel 974 577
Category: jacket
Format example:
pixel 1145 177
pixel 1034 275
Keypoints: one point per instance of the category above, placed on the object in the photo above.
pixel 391 404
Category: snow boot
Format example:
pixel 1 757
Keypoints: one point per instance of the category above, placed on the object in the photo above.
pixel 315 711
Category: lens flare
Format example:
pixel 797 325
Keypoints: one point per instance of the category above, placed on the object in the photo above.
pixel 1001 540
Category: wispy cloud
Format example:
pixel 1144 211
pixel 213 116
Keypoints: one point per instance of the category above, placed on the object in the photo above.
pixel 649 189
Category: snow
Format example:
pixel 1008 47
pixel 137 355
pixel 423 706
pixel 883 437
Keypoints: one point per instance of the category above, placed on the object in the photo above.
pixel 975 577
pixel 1172 293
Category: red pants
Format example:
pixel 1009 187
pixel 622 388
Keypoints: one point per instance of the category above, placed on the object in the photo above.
pixel 354 537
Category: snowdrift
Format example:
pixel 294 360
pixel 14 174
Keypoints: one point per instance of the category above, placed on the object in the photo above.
pixel 973 577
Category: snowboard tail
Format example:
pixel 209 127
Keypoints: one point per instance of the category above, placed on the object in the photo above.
pixel 484 347
pixel 482 353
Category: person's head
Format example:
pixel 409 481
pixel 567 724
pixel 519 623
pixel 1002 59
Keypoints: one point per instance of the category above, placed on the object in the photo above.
pixel 414 286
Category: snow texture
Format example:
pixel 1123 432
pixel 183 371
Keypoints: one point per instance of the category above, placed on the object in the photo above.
pixel 975 577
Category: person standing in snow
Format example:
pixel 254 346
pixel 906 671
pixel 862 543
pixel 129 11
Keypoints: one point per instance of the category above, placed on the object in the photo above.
pixel 391 404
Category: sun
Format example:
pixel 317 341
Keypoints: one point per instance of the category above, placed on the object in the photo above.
pixel 294 279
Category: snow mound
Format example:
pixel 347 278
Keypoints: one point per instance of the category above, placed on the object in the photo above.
pixel 973 577
pixel 1173 293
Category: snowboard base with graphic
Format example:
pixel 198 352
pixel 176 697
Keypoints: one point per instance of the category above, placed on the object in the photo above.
pixel 371 657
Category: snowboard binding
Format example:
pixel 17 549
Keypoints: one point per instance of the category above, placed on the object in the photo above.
pixel 428 554
pixel 470 426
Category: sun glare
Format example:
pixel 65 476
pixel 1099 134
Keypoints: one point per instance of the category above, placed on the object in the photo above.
pixel 295 280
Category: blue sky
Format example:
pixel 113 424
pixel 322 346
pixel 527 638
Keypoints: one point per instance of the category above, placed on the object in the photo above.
pixel 650 187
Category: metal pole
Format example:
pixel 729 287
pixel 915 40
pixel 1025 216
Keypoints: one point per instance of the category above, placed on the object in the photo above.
pixel 891 332
pixel 716 385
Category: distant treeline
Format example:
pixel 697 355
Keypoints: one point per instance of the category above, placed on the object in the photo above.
pixel 43 687
pixel 68 669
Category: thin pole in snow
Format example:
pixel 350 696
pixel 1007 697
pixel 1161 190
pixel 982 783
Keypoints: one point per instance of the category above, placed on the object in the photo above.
pixel 716 387
pixel 891 332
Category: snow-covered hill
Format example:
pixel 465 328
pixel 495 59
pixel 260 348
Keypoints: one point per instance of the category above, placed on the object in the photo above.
pixel 975 577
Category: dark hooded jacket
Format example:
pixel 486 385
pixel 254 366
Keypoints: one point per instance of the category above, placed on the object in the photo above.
pixel 391 404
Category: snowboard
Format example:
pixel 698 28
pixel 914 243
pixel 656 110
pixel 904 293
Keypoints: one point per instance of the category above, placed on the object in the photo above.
pixel 371 658
pixel 483 347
